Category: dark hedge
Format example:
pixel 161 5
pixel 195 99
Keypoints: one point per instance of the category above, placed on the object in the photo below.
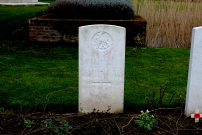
pixel 93 9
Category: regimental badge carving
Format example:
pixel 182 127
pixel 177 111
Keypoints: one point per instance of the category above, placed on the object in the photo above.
pixel 102 42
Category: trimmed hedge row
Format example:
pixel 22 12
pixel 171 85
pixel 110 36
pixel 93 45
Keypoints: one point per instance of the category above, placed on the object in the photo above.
pixel 93 9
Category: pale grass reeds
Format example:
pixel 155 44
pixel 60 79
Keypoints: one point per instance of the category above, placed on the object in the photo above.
pixel 169 23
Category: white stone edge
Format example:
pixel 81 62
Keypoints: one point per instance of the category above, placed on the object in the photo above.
pixel 23 4
pixel 194 30
pixel 95 25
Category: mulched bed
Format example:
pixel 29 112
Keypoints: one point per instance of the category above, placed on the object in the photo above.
pixel 170 121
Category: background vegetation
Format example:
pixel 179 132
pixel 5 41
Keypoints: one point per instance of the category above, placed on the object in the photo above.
pixel 169 23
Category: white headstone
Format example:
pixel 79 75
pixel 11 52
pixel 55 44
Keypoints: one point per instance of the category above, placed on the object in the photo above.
pixel 194 86
pixel 101 68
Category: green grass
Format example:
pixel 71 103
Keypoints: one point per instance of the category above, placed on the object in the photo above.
pixel 149 68
pixel 39 74
pixel 46 74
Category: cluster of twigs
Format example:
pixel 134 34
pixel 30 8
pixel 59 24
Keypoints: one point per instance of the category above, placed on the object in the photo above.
pixel 156 101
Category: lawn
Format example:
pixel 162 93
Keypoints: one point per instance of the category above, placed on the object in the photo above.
pixel 38 74
pixel 46 74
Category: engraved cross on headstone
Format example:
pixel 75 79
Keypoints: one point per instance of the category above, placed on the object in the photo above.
pixel 101 83
pixel 102 45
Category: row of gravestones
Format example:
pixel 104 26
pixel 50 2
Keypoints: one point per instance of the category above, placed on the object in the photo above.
pixel 102 65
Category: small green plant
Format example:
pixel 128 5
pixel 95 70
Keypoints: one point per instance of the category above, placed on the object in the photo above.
pixel 28 123
pixel 56 127
pixel 146 120
pixel 6 112
pixel 1 109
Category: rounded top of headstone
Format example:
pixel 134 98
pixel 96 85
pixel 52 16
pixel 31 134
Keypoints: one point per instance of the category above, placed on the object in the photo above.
pixel 93 9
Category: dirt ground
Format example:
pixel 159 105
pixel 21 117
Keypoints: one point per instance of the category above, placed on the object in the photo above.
pixel 170 121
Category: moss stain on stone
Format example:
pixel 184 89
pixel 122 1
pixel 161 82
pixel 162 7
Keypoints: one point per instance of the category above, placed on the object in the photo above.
pixel 118 111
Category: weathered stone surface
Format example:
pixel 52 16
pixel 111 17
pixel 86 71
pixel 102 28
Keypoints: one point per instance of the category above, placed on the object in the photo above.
pixel 101 68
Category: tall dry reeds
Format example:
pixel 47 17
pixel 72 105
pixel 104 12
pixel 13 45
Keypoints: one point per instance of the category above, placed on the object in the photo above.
pixel 169 23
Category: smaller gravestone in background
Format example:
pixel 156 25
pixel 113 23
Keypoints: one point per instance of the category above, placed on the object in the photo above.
pixel 101 68
pixel 18 1
pixel 194 86
pixel 22 2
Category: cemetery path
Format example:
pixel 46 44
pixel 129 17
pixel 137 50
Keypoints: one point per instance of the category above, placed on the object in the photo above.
pixel 170 121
